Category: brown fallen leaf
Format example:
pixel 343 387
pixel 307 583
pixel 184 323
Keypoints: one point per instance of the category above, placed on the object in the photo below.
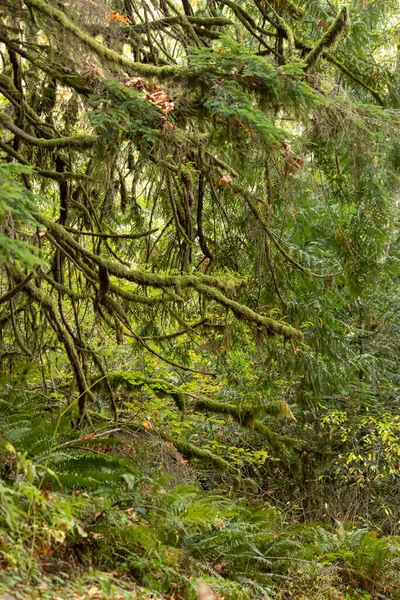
pixel 94 592
pixel 46 494
pixel 204 592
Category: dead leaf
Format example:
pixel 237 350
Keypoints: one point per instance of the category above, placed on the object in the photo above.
pixel 94 592
pixel 46 494
pixel 167 127
pixel 161 99
pixel 115 16
pixel 44 550
pixel 374 73
pixel 225 181
pixel 324 24
pixel 157 97
pixel 167 107
pixel 182 462
pixel 146 424
pixel 220 566
pixel 136 82
pixel 204 592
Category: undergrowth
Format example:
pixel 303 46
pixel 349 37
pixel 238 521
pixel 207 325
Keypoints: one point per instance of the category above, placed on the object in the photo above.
pixel 91 514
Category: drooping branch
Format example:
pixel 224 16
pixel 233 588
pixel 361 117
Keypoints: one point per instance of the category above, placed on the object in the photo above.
pixel 206 285
pixel 47 305
pixel 276 243
pixel 247 314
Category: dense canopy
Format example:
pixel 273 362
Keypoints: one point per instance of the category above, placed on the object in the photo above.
pixel 199 236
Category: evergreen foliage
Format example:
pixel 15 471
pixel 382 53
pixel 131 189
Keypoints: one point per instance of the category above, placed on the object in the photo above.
pixel 199 258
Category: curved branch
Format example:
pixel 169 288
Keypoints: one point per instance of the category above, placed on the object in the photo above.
pixel 77 141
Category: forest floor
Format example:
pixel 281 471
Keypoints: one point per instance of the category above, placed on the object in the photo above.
pixel 117 518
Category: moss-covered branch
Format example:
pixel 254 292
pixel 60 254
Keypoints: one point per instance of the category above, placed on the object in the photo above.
pixel 245 313
pixel 13 292
pixel 328 39
pixel 121 236
pixel 243 416
pixel 246 417
pixel 47 306
pixel 204 284
pixel 190 451
pixel 228 285
pixel 64 176
pixel 137 380
pixel 133 68
pixel 73 141
pixel 160 24
pixel 340 65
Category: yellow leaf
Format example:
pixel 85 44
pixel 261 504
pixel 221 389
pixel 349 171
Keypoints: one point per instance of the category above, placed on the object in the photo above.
pixel 115 16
